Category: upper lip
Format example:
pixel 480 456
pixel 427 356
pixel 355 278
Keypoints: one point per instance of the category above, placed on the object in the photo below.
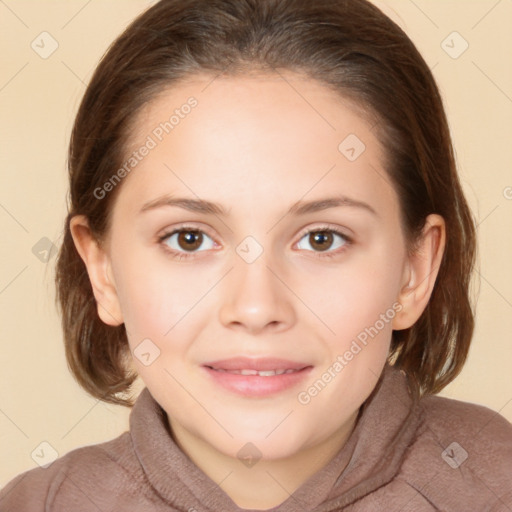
pixel 258 364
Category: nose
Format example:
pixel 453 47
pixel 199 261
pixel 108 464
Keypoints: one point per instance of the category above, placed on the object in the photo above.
pixel 255 299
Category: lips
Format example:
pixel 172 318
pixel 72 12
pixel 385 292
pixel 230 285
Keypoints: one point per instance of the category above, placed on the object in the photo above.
pixel 261 373
pixel 257 377
pixel 264 367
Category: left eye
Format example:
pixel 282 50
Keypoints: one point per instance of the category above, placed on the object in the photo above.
pixel 188 240
pixel 323 239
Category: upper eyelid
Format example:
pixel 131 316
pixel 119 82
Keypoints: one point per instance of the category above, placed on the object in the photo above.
pixel 326 227
pixel 166 232
pixel 323 227
pixel 304 231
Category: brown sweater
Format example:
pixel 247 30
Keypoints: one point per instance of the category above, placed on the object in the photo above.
pixel 403 455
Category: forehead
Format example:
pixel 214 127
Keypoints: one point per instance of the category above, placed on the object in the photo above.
pixel 252 100
pixel 270 135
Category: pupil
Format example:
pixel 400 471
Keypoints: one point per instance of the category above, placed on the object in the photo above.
pixel 190 239
pixel 320 238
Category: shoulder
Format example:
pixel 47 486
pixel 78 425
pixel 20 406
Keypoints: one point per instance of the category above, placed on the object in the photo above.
pixel 450 413
pixel 461 455
pixel 484 434
pixel 105 465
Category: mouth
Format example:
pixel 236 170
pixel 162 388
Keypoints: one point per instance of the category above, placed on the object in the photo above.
pixel 257 377
pixel 261 373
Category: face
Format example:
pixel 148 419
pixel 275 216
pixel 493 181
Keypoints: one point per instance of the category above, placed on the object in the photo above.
pixel 258 233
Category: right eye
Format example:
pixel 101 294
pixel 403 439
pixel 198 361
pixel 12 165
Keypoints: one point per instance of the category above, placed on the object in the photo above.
pixel 184 241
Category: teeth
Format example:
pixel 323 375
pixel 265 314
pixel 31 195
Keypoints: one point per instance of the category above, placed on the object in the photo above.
pixel 263 373
pixel 267 373
pixel 247 372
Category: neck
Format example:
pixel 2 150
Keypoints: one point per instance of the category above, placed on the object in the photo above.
pixel 280 478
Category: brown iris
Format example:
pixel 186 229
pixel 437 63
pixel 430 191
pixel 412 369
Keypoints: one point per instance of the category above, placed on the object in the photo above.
pixel 321 240
pixel 190 240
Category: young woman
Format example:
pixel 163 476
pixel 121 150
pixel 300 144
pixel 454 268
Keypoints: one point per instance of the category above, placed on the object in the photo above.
pixel 266 225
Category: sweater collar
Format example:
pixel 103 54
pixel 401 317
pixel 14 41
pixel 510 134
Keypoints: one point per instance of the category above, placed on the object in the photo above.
pixel 371 457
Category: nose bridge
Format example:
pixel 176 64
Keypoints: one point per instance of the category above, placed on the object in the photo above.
pixel 255 298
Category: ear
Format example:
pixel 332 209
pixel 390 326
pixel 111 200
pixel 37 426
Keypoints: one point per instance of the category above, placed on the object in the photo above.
pixel 98 265
pixel 420 272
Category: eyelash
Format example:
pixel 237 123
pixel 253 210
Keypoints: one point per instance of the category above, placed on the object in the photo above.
pixel 327 254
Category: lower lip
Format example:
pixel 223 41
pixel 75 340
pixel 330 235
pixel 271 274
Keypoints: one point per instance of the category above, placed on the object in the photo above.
pixel 255 385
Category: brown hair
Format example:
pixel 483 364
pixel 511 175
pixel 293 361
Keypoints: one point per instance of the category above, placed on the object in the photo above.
pixel 347 45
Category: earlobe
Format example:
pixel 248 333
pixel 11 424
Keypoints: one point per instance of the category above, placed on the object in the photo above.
pixel 97 262
pixel 421 272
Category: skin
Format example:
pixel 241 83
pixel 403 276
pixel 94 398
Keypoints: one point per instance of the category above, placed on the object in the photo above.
pixel 256 146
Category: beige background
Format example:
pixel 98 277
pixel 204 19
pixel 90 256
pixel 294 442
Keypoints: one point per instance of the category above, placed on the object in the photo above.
pixel 39 400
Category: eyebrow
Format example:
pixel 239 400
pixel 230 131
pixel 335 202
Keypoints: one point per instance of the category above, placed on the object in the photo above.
pixel 193 205
pixel 298 208
pixel 303 207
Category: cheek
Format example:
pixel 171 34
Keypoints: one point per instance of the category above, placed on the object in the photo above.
pixel 358 305
pixel 352 296
pixel 157 297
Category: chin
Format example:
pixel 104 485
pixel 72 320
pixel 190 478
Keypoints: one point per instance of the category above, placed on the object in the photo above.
pixel 259 446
